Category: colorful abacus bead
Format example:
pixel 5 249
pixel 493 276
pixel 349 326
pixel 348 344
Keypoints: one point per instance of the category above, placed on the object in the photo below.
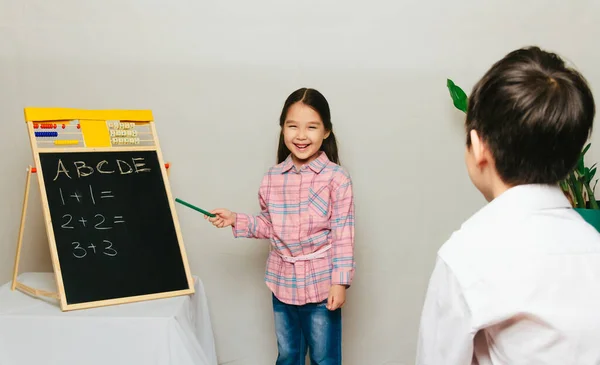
pixel 66 142
pixel 46 134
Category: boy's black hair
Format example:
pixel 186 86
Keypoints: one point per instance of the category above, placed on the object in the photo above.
pixel 534 113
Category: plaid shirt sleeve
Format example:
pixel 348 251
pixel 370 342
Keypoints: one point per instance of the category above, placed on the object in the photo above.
pixel 342 226
pixel 255 226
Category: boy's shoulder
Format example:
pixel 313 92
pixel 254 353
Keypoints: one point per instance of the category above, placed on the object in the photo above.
pixel 493 243
pixel 482 239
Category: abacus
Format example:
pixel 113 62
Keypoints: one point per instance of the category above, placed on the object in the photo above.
pixel 83 129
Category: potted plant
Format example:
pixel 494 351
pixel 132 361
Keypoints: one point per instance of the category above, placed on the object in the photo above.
pixel 577 186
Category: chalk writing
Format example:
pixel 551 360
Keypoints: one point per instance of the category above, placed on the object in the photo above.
pixel 77 196
pixel 135 166
pixel 69 219
pixel 101 221
pixel 78 249
pixel 92 195
pixel 80 252
pixel 108 250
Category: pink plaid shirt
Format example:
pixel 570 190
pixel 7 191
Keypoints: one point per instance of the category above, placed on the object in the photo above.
pixel 308 215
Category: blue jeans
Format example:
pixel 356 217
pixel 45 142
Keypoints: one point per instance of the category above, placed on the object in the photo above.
pixel 310 327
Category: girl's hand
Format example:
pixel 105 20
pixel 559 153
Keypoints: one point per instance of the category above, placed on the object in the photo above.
pixel 337 297
pixel 223 218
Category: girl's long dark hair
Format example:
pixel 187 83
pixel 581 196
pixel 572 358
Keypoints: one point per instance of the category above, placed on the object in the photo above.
pixel 316 101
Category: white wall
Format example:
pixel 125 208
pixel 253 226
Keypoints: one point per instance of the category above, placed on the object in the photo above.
pixel 216 73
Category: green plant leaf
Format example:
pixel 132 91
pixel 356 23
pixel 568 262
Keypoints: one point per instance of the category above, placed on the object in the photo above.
pixel 580 166
pixel 591 197
pixel 564 186
pixel 577 191
pixel 459 98
pixel 585 149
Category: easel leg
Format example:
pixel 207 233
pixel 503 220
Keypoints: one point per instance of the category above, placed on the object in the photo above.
pixel 21 229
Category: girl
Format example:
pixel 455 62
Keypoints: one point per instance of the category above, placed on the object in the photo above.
pixel 307 212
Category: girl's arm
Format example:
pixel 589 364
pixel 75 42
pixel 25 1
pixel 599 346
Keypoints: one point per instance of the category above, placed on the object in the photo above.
pixel 245 225
pixel 255 226
pixel 342 228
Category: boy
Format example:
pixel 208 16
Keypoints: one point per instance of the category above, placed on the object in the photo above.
pixel 519 283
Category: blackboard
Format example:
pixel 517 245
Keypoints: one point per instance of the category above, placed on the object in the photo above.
pixel 113 228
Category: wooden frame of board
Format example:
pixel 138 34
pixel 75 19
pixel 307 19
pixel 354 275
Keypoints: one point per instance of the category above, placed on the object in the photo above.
pixel 35 116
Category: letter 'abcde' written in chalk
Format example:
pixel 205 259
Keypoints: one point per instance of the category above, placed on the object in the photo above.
pixel 82 169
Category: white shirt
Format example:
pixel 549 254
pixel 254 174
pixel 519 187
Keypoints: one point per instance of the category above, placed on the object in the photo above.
pixel 519 283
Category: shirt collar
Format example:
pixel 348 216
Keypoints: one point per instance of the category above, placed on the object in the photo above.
pixel 522 200
pixel 316 165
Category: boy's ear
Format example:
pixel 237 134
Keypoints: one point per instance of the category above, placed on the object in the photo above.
pixel 481 152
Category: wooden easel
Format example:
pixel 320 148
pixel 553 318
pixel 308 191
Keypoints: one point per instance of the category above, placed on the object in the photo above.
pixel 15 284
pixel 36 117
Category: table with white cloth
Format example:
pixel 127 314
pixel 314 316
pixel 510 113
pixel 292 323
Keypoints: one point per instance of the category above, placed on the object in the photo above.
pixel 157 332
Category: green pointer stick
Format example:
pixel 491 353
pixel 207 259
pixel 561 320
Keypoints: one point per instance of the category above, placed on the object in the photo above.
pixel 194 207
